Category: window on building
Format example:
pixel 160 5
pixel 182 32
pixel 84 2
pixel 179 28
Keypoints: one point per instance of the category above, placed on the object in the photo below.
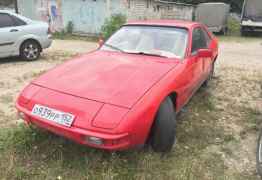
pixel 148 3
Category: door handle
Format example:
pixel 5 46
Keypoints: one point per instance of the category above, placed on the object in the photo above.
pixel 14 30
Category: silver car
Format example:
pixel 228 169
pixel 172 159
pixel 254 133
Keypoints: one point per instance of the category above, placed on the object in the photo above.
pixel 20 36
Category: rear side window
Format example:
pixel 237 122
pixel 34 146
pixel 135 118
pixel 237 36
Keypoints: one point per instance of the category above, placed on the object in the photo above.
pixel 199 40
pixel 18 22
pixel 6 20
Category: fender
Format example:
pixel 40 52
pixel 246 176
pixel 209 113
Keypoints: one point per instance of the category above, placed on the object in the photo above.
pixel 22 39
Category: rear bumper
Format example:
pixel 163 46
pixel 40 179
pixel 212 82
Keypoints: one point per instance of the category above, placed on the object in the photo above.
pixel 110 141
pixel 216 29
pixel 251 23
pixel 250 26
pixel 46 42
pixel 251 29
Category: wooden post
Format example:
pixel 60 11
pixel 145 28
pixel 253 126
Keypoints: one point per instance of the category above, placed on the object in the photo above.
pixel 16 6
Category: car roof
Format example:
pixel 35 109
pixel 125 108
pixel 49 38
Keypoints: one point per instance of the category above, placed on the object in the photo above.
pixel 5 11
pixel 17 15
pixel 172 23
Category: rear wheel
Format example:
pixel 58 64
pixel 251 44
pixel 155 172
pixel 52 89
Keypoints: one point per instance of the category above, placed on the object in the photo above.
pixel 244 31
pixel 30 50
pixel 210 76
pixel 225 31
pixel 164 128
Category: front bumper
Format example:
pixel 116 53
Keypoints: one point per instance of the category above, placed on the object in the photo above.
pixel 110 141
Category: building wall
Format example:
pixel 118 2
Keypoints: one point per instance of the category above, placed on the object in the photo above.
pixel 89 15
pixel 180 12
pixel 44 10
pixel 26 8
pixel 144 9
pixel 150 9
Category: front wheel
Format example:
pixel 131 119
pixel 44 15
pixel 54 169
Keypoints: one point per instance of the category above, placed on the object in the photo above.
pixel 30 50
pixel 164 128
pixel 259 154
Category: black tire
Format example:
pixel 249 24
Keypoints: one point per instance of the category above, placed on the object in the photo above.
pixel 210 76
pixel 244 32
pixel 30 50
pixel 225 31
pixel 259 154
pixel 164 128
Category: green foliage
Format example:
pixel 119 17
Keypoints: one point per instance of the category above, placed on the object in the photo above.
pixel 70 27
pixel 112 24
pixel 233 26
pixel 59 35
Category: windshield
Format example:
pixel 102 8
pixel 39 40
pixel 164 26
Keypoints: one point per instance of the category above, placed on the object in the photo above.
pixel 168 42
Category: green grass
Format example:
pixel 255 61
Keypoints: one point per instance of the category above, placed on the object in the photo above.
pixel 67 36
pixel 251 120
pixel 30 153
pixel 202 144
pixel 238 38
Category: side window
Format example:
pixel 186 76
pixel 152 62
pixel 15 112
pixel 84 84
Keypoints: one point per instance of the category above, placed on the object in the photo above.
pixel 199 40
pixel 18 22
pixel 207 37
pixel 6 20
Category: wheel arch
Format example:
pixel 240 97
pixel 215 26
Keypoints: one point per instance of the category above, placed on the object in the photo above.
pixel 31 39
pixel 173 96
pixel 215 58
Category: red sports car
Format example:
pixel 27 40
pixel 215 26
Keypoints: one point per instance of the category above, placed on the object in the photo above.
pixel 126 93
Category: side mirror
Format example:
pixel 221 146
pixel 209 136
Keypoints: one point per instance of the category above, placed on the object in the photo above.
pixel 101 42
pixel 204 53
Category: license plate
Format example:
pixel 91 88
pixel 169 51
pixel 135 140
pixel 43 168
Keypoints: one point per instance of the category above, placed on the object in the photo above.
pixel 59 117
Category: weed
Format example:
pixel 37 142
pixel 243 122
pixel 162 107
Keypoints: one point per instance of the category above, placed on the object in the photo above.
pixel 112 24
pixel 70 27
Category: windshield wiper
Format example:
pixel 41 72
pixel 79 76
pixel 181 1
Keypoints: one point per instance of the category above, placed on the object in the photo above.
pixel 145 53
pixel 134 52
pixel 113 47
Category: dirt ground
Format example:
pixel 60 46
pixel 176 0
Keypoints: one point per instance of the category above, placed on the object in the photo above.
pixel 236 94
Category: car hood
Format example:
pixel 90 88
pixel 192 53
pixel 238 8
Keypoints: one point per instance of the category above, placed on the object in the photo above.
pixel 109 77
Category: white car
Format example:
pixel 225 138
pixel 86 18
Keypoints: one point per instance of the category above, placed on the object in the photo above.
pixel 20 36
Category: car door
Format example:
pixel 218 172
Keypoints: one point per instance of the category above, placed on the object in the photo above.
pixel 196 63
pixel 10 31
pixel 207 61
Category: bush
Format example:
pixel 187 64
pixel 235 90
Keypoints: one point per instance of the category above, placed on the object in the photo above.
pixel 70 27
pixel 112 24
pixel 59 35
pixel 233 26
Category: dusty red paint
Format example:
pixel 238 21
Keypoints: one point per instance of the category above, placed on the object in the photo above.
pixel 115 96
